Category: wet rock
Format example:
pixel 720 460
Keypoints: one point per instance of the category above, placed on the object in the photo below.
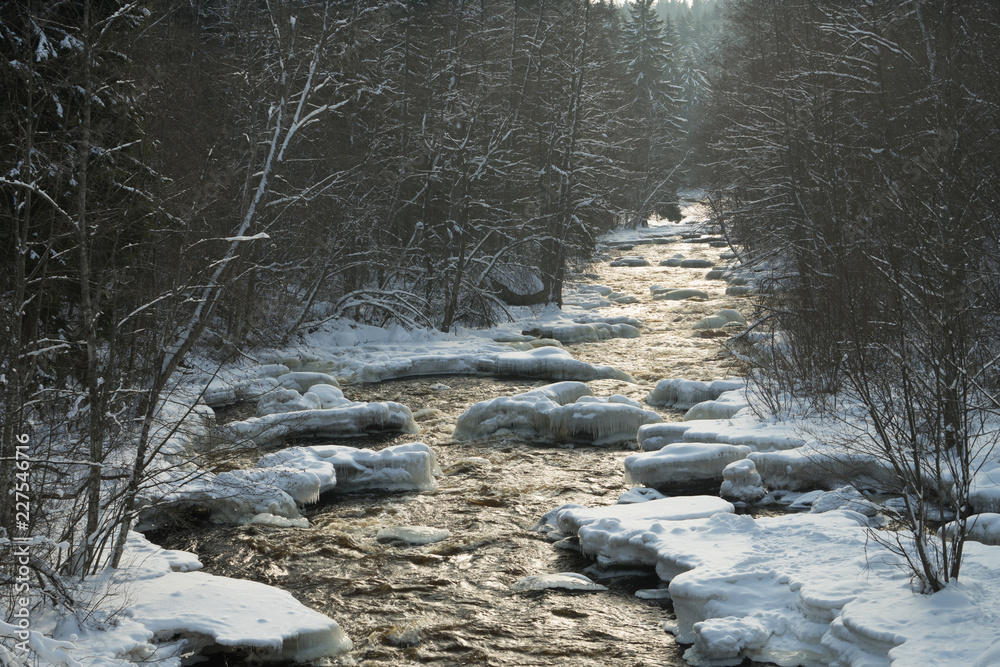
pixel 412 535
pixel 631 260
pixel 569 581
pixel 696 264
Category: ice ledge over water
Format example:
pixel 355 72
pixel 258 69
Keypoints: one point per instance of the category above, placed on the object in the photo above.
pixel 804 589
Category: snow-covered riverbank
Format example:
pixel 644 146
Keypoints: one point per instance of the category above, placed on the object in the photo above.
pixel 806 588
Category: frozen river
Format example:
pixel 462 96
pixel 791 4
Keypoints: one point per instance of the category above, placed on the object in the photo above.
pixel 450 602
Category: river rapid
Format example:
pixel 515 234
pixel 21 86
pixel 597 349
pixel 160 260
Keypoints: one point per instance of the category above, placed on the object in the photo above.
pixel 450 603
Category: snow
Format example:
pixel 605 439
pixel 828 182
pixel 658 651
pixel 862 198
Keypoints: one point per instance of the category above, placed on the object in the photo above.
pixel 560 412
pixel 808 589
pixel 173 610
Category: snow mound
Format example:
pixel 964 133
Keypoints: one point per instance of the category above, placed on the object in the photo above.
pixel 639 495
pixel 561 412
pixel 564 580
pixel 162 608
pixel 682 464
pixel 405 467
pixel 743 430
pixel 818 466
pixel 684 394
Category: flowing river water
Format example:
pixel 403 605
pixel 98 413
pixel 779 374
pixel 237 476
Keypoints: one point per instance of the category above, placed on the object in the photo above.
pixel 450 603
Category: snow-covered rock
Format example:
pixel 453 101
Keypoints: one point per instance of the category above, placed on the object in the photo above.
pixel 723 318
pixel 565 580
pixel 727 405
pixel 563 412
pixel 682 394
pixel 341 469
pixel 681 294
pixel 631 260
pixel 554 363
pixel 682 464
pixel 983 528
pixel 347 419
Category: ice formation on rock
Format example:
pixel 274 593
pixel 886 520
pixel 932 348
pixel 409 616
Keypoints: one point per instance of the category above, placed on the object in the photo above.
pixel 741 482
pixel 576 332
pixel 727 405
pixel 684 394
pixel 631 260
pixel 410 466
pixel 348 419
pixel 681 294
pixel 682 463
pixel 556 364
pixel 723 318
pixel 561 412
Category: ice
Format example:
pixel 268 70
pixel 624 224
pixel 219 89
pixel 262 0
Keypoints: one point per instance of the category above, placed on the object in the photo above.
pixel 565 580
pixel 561 412
pixel 155 607
pixel 682 394
pixel 682 464
pixel 349 419
pixel 619 534
pixel 412 535
pixel 301 381
pixel 404 467
pixel 741 482
pixel 232 497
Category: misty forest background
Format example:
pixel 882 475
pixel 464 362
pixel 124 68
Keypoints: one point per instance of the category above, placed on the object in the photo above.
pixel 216 175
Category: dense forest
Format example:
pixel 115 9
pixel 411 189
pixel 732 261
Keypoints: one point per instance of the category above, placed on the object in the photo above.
pixel 854 149
pixel 216 175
